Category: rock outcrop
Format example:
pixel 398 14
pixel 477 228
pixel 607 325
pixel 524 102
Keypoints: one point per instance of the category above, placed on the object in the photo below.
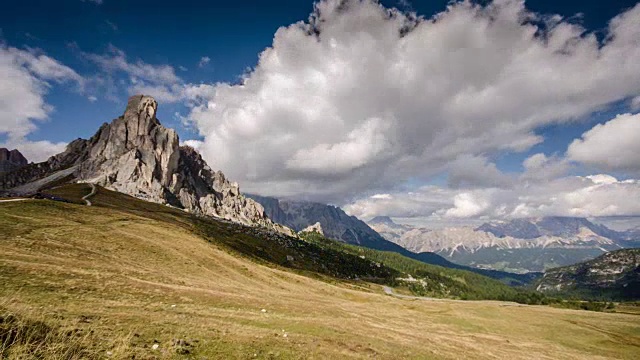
pixel 11 160
pixel 136 155
pixel 317 228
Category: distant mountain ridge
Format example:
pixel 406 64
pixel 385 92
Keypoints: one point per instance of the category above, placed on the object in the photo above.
pixel 337 225
pixel 11 160
pixel 614 275
pixel 517 245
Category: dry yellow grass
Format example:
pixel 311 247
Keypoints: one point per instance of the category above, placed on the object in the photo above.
pixel 129 281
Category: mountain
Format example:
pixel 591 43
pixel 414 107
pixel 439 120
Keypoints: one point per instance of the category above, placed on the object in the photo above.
pixel 337 225
pixel 11 160
pixel 553 226
pixel 391 231
pixel 612 276
pixel 519 245
pixel 136 155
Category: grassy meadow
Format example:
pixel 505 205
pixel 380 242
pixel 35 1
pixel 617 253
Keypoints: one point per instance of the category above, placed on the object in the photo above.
pixel 129 279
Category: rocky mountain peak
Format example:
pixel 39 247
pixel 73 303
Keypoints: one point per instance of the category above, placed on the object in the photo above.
pixel 11 160
pixel 136 155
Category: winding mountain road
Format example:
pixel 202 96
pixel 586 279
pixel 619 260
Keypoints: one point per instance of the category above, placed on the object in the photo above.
pixel 93 192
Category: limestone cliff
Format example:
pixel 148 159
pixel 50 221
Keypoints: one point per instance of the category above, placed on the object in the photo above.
pixel 136 155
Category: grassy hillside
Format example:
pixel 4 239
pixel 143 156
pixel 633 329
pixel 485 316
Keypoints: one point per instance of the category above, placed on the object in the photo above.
pixel 122 276
pixel 437 281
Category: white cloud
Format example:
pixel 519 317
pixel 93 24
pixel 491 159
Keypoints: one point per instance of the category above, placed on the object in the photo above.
pixel 362 145
pixel 196 144
pixel 159 81
pixel 466 205
pixel 539 167
pixel 635 103
pixel 471 82
pixel 35 151
pixel 382 196
pixel 602 179
pixel 27 75
pixel 591 196
pixel 613 145
pixel 204 61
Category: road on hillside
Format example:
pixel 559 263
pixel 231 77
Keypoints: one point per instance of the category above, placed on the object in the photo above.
pixel 9 200
pixel 389 291
pixel 93 192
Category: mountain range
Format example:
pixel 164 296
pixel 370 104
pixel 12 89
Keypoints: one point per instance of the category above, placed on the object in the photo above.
pixel 338 225
pixel 519 245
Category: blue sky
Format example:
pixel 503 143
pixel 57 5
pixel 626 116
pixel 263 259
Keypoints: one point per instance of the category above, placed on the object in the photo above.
pixel 231 34
pixel 105 50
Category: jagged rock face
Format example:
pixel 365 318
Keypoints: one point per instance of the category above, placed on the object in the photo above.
pixel 335 223
pixel 11 160
pixel 201 190
pixel 136 155
pixel 317 227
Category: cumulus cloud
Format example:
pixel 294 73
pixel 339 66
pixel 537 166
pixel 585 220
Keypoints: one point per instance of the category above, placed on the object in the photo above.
pixel 613 145
pixel 466 205
pixel 590 196
pixel 360 97
pixel 27 76
pixel 539 167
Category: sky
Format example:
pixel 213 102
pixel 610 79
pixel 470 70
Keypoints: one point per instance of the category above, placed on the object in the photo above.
pixel 433 112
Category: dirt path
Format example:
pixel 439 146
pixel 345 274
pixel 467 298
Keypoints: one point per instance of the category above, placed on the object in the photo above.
pixel 389 291
pixel 93 192
pixel 9 200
